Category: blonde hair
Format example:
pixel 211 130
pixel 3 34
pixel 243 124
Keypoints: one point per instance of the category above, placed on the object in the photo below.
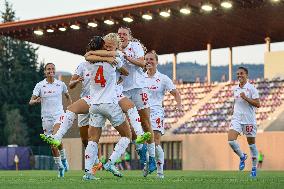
pixel 115 38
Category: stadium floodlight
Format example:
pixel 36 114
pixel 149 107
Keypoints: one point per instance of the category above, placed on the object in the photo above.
pixel 226 4
pixel 109 22
pixel 50 30
pixel 147 16
pixel 185 10
pixel 275 1
pixel 62 29
pixel 207 7
pixel 128 19
pixel 75 27
pixel 166 13
pixel 93 24
pixel 38 32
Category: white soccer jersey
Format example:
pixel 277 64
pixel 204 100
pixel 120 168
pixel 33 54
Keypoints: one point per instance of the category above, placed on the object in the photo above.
pixel 122 59
pixel 135 79
pixel 51 97
pixel 157 86
pixel 83 70
pixel 103 83
pixel 244 113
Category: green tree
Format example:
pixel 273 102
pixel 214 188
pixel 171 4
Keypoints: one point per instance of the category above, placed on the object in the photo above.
pixel 15 128
pixel 20 71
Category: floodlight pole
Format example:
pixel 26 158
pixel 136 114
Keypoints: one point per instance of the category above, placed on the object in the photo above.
pixel 230 64
pixel 209 63
pixel 174 67
pixel 268 41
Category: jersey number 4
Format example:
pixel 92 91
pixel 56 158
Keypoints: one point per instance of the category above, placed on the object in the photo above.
pixel 99 78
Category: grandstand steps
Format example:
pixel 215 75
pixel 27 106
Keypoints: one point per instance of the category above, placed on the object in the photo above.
pixel 195 108
pixel 276 121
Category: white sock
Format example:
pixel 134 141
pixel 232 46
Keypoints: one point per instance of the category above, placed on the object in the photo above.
pixel 151 149
pixel 62 154
pixel 138 146
pixel 91 153
pixel 160 159
pixel 65 125
pixel 134 121
pixel 254 154
pixel 235 146
pixel 119 149
pixel 57 161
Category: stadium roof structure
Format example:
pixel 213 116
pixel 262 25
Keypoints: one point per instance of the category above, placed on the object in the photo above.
pixel 248 22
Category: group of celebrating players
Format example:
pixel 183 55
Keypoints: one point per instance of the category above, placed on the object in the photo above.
pixel 120 79
pixel 117 78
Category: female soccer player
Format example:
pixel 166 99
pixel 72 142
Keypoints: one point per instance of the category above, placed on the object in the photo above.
pixel 158 84
pixel 49 93
pixel 104 105
pixel 244 121
pixel 134 89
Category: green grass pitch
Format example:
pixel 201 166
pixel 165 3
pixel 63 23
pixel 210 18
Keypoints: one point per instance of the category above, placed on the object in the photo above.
pixel 134 180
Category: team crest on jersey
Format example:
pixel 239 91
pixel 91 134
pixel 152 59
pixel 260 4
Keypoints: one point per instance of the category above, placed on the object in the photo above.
pixel 57 85
pixel 87 74
pixel 158 80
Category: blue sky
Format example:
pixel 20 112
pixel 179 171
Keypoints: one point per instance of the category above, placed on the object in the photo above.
pixel 64 61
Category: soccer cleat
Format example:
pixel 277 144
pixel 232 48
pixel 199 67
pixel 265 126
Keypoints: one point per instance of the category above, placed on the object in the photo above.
pixel 61 172
pixel 97 167
pixel 89 176
pixel 142 154
pixel 50 140
pixel 65 164
pixel 242 162
pixel 145 170
pixel 160 175
pixel 152 164
pixel 143 138
pixel 111 168
pixel 43 137
pixel 253 172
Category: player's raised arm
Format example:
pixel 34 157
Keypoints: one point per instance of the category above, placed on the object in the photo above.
pixel 102 53
pixel 95 59
pixel 123 71
pixel 138 62
pixel 74 81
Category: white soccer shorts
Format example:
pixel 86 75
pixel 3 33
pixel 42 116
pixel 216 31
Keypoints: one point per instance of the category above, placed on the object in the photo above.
pixel 157 120
pixel 119 94
pixel 49 121
pixel 249 130
pixel 139 97
pixel 100 112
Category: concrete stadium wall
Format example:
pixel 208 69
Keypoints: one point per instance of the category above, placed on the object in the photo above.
pixel 204 151
pixel 274 64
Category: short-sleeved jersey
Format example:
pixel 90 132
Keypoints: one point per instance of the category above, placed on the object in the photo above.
pixel 103 83
pixel 51 97
pixel 157 86
pixel 83 70
pixel 244 113
pixel 136 78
